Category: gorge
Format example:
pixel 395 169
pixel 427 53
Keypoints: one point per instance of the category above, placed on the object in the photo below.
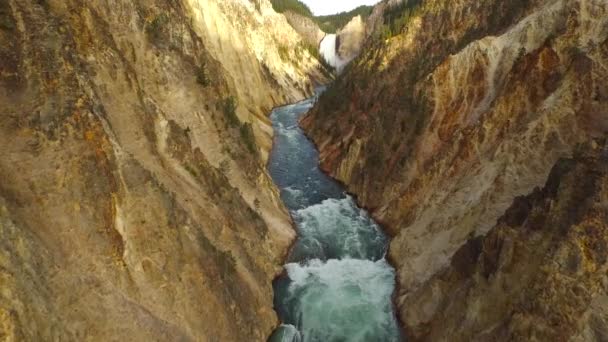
pixel 338 284
pixel 193 170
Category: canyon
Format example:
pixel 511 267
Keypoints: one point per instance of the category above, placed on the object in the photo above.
pixel 153 186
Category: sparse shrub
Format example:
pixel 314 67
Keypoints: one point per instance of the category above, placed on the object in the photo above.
pixel 248 137
pixel 157 26
pixel 191 170
pixel 376 160
pixel 6 23
pixel 397 17
pixel 312 50
pixel 283 52
pixel 575 51
pixel 229 106
pixel 6 19
pixel 520 55
pixel 43 3
pixel 225 166
pixel 202 76
pixel 385 32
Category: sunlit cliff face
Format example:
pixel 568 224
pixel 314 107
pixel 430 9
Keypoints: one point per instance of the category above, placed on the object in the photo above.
pixel 134 201
pixel 264 59
pixel 352 37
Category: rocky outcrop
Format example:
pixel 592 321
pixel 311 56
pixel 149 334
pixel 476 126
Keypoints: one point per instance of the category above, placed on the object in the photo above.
pixel 539 274
pixel 440 127
pixel 306 27
pixel 134 201
pixel 264 59
pixel 376 19
pixel 350 39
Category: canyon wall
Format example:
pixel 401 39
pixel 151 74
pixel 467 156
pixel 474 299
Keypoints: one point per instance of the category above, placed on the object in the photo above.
pixel 540 272
pixel 376 19
pixel 438 128
pixel 134 200
pixel 306 27
pixel 350 39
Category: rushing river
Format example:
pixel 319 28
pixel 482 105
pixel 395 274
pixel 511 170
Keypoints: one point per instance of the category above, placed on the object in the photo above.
pixel 337 285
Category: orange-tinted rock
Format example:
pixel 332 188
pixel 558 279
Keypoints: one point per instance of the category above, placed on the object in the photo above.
pixel 132 207
pixel 478 119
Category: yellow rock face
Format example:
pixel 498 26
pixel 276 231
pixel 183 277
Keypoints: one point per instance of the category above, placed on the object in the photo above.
pixel 134 201
pixel 351 38
pixel 539 274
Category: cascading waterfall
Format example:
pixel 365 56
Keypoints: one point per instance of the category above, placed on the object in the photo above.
pixel 337 285
pixel 328 51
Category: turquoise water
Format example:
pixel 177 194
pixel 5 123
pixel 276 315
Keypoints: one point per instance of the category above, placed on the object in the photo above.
pixel 337 285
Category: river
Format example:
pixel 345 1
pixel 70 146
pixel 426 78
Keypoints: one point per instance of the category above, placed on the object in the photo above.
pixel 337 284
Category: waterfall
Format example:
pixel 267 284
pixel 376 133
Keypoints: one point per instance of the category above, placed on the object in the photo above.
pixel 328 50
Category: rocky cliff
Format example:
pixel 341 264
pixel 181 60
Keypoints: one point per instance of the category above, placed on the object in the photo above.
pixel 134 201
pixel 539 274
pixel 306 27
pixel 438 127
pixel 376 19
pixel 350 39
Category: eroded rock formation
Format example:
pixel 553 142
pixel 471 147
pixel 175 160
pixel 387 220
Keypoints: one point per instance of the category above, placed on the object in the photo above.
pixel 440 127
pixel 306 27
pixel 350 39
pixel 539 274
pixel 134 201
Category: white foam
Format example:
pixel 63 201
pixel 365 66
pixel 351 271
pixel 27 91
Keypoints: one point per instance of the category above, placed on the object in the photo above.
pixel 345 299
pixel 290 133
pixel 339 223
pixel 286 333
pixel 327 48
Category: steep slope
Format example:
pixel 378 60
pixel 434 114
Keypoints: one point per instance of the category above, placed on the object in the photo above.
pixel 376 18
pixel 539 274
pixel 335 22
pixel 351 38
pixel 440 127
pixel 264 59
pixel 306 27
pixel 134 201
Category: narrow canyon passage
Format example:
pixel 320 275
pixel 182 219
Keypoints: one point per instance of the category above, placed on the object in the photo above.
pixel 337 285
